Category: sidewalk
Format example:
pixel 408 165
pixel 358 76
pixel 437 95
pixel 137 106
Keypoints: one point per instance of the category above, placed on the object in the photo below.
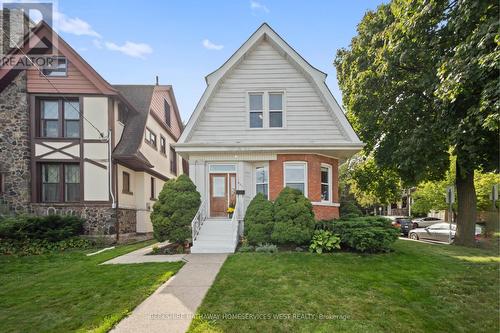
pixel 172 306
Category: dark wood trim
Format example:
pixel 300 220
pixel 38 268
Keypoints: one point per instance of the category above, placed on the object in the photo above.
pixel 102 166
pixel 81 140
pixel 34 181
pixel 155 147
pixel 57 150
pixel 164 139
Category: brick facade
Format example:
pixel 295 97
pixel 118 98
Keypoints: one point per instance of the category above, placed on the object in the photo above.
pixel 276 181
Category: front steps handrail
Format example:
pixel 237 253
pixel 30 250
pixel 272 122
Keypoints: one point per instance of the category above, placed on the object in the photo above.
pixel 198 220
pixel 235 221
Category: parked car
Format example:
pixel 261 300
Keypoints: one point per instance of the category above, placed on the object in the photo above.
pixel 396 220
pixel 425 221
pixel 406 224
pixel 438 232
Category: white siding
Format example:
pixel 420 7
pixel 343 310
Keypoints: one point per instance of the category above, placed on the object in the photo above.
pixel 307 117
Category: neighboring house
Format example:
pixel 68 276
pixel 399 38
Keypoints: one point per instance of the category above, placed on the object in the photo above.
pixel 265 121
pixel 53 158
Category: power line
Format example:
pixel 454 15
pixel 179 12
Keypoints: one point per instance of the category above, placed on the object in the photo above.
pixel 53 86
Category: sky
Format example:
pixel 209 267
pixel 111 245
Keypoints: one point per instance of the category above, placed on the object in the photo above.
pixel 181 41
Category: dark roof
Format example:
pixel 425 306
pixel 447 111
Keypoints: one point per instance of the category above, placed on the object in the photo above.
pixel 139 97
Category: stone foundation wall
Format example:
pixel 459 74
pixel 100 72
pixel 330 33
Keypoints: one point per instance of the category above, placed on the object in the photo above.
pixel 127 219
pixel 15 149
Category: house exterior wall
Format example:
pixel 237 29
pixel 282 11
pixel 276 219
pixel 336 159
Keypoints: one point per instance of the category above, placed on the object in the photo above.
pixel 15 146
pixel 225 118
pixel 322 210
pixel 73 83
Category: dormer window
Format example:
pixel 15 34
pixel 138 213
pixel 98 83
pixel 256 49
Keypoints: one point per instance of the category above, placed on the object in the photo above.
pixel 266 109
pixel 57 67
pixel 166 108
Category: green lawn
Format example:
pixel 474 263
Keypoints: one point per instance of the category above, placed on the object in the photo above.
pixel 71 292
pixel 418 288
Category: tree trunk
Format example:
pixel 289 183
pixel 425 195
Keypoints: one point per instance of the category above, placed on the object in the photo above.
pixel 466 202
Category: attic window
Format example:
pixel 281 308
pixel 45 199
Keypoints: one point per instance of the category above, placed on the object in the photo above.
pixel 166 108
pixel 59 67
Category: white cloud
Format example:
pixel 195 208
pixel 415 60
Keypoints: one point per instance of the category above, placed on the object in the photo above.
pixel 211 46
pixel 258 6
pixel 136 50
pixel 74 25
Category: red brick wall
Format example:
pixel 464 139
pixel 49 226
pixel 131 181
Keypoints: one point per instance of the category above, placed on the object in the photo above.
pixel 314 180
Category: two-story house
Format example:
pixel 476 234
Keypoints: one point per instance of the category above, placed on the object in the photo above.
pixel 71 143
pixel 266 121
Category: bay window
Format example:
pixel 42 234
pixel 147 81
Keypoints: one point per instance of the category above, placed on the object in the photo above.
pixel 326 182
pixel 295 176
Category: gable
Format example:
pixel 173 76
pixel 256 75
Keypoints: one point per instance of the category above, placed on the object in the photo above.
pixel 265 62
pixel 264 68
pixel 162 93
pixel 81 78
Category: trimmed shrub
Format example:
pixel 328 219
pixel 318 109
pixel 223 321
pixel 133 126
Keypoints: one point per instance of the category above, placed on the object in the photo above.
pixel 42 246
pixel 176 207
pixel 363 234
pixel 324 241
pixel 266 248
pixel 51 228
pixel 259 220
pixel 293 218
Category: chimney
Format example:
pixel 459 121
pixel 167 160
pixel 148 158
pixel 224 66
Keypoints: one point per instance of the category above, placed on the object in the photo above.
pixel 156 79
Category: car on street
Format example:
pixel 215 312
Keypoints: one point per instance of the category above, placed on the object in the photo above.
pixel 438 232
pixel 425 221
pixel 406 225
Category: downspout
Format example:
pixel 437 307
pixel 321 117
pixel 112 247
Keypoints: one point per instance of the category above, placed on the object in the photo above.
pixel 110 185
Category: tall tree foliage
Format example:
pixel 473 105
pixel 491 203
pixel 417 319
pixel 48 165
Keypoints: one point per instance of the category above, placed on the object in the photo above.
pixel 421 77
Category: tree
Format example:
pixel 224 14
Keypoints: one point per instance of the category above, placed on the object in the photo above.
pixel 176 207
pixel 421 77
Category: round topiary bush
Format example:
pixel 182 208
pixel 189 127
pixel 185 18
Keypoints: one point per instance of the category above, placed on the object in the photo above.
pixel 172 214
pixel 293 218
pixel 259 220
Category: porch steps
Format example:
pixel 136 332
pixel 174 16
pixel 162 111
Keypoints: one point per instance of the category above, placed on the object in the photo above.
pixel 216 236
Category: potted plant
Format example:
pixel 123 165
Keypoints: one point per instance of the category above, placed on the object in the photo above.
pixel 230 210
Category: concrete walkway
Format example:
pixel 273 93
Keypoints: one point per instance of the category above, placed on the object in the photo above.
pixel 172 306
pixel 140 256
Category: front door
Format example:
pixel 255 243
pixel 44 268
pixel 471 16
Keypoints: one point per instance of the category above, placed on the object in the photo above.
pixel 222 193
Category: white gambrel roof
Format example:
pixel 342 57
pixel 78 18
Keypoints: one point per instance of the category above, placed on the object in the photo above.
pixel 316 76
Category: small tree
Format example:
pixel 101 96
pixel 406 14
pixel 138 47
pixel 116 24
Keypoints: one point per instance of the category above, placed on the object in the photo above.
pixel 259 220
pixel 172 214
pixel 293 218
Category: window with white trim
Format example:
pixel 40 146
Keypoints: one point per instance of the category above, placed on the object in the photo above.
pixel 276 110
pixel 266 109
pixel 296 176
pixel 262 180
pixel 256 101
pixel 326 182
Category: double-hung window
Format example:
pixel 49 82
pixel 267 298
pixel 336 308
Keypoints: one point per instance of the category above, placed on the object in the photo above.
pixel 262 180
pixel 256 110
pixel 266 109
pixel 326 182
pixel 150 137
pixel 296 176
pixel 163 145
pixel 60 118
pixel 276 110
pixel 60 182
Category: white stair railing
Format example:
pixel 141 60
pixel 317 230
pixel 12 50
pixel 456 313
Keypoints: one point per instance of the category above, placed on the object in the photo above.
pixel 197 222
pixel 235 222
